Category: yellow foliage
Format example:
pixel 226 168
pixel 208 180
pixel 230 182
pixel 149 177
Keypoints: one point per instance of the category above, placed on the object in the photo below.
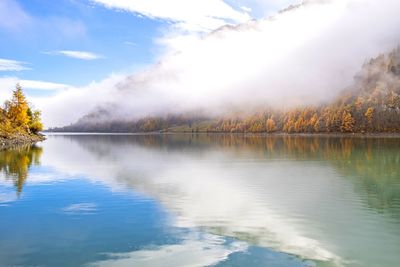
pixel 271 126
pixel 347 122
pixel 17 117
pixel 369 114
pixel 18 109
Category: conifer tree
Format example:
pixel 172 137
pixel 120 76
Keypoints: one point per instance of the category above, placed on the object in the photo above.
pixel 18 109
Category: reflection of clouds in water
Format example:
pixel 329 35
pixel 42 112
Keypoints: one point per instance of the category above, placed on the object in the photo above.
pixel 80 208
pixel 44 178
pixel 292 195
pixel 209 189
pixel 195 250
pixel 7 198
pixel 213 197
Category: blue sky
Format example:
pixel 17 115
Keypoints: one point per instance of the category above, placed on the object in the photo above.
pixel 76 42
pixel 122 41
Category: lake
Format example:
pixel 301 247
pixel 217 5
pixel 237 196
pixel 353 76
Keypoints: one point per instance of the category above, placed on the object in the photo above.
pixel 201 200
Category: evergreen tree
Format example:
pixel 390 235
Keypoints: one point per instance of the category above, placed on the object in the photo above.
pixel 18 109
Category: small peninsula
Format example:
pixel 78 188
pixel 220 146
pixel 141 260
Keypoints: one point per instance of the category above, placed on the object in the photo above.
pixel 19 123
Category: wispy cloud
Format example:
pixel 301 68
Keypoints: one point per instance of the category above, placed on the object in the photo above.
pixel 264 8
pixel 192 15
pixel 130 43
pixel 84 55
pixel 12 65
pixel 7 84
pixel 42 85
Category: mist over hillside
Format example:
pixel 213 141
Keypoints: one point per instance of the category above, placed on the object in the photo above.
pixel 370 104
pixel 304 56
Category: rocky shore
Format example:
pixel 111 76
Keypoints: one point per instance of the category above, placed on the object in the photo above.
pixel 20 139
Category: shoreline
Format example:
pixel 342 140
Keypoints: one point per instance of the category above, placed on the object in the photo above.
pixel 278 134
pixel 20 140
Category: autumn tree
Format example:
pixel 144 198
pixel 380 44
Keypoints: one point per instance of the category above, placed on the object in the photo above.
pixel 348 122
pixel 18 109
pixel 6 128
pixel 271 126
pixel 314 123
pixel 17 116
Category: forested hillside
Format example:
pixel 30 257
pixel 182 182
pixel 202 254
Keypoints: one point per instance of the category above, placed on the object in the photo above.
pixel 370 105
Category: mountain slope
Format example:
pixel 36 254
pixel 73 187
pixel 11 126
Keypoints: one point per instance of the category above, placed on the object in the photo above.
pixel 371 104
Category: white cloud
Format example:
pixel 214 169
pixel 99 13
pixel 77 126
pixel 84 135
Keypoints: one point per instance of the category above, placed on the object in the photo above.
pixel 84 55
pixel 245 8
pixel 7 84
pixel 259 9
pixel 192 15
pixel 69 105
pixel 305 55
pixel 42 85
pixel 12 65
pixel 130 43
pixel 265 8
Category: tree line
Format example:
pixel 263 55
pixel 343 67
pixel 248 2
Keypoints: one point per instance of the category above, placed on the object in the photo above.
pixel 371 104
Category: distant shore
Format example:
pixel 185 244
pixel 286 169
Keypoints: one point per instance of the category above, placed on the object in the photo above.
pixel 19 139
pixel 367 135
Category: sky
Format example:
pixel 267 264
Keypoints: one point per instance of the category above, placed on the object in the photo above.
pixel 52 46
pixel 153 57
pixel 75 42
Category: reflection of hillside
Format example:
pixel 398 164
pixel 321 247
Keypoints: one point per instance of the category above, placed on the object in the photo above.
pixel 314 197
pixel 372 163
pixel 15 163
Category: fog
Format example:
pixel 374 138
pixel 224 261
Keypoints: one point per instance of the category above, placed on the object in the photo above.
pixel 303 55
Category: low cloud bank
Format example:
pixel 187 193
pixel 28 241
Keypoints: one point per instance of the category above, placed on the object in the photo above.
pixel 304 55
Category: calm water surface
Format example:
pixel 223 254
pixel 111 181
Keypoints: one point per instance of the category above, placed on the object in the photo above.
pixel 201 200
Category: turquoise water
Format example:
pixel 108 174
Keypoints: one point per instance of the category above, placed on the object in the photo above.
pixel 201 200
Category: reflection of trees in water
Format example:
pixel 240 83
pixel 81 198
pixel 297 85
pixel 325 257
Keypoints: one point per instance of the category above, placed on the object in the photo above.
pixel 373 164
pixel 15 163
